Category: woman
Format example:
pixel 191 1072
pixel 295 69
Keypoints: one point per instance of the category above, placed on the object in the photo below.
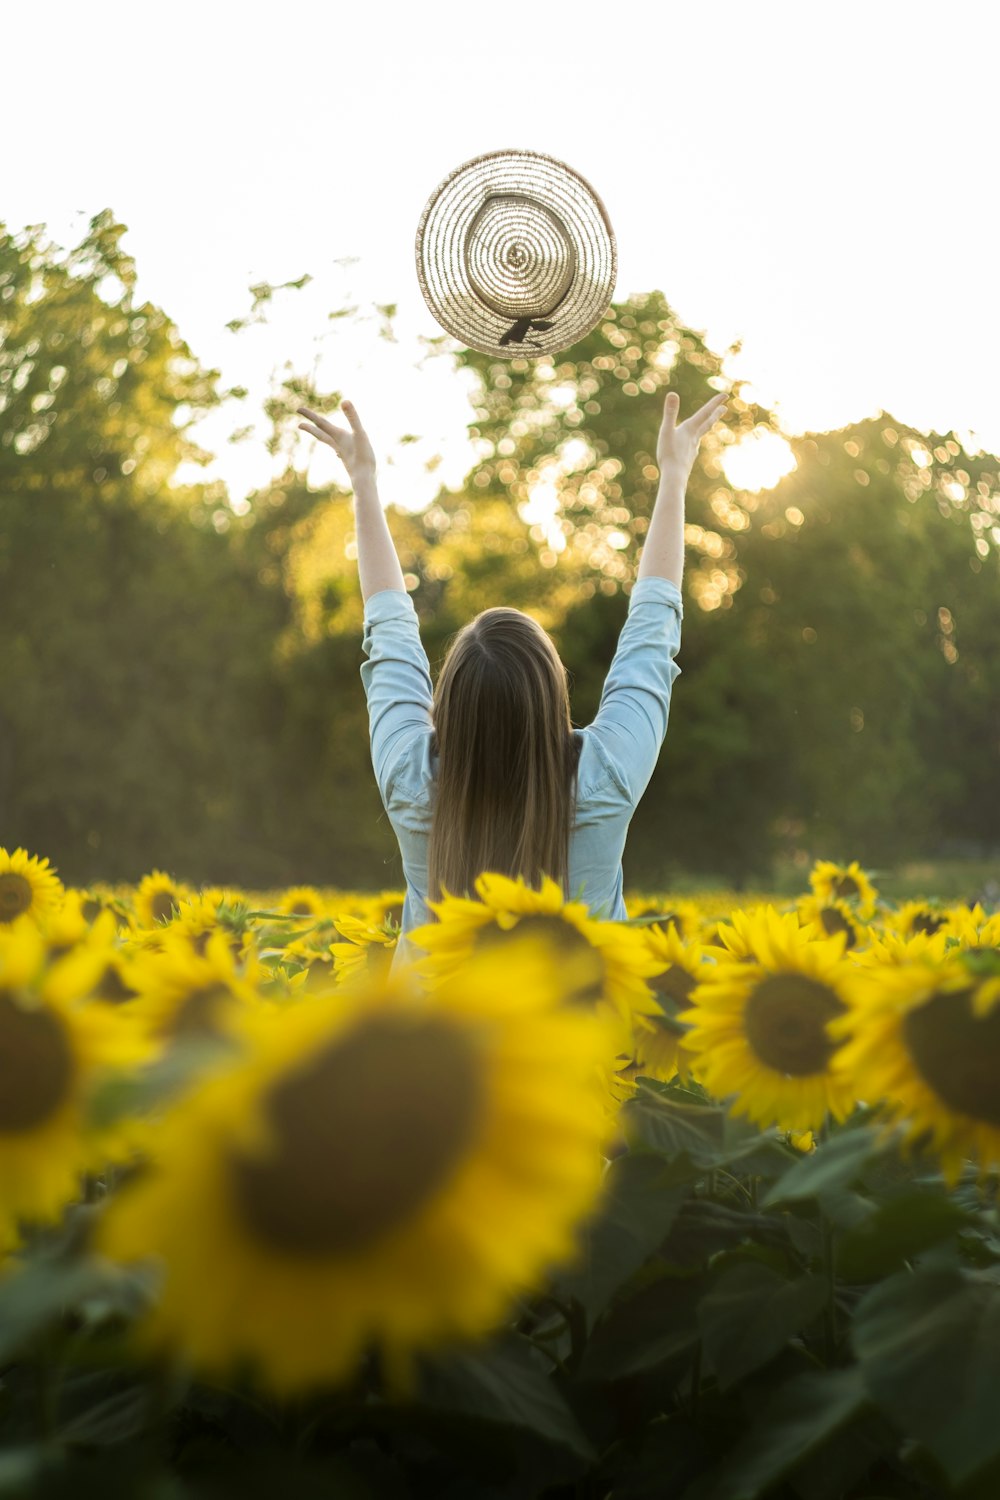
pixel 484 771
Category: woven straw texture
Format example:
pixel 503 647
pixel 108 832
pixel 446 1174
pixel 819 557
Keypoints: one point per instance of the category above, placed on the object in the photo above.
pixel 515 254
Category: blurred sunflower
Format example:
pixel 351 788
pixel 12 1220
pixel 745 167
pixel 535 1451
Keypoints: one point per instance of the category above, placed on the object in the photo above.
pixel 972 928
pixel 53 1051
pixel 759 1024
pixel 196 919
pixel 387 906
pixel 184 992
pixel 916 916
pixel 98 898
pixel 64 927
pixel 746 927
pixel 157 897
pixel 830 881
pixel 658 1053
pixel 832 914
pixel 683 916
pixel 601 963
pixel 924 1039
pixel 366 950
pixel 302 901
pixel 389 1173
pixel 891 947
pixel 27 886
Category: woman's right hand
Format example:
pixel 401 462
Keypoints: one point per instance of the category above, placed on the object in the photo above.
pixel 352 448
pixel 677 446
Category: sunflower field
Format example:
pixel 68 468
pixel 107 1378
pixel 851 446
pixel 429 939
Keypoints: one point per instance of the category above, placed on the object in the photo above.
pixel 700 1205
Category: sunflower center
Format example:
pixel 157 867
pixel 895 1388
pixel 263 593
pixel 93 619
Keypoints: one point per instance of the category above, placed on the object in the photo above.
pixel 365 1133
pixel 925 921
pixel 785 1023
pixel 112 987
pixel 196 1015
pixel 676 983
pixel 15 895
pixel 162 906
pixel 581 965
pixel 36 1065
pixel 835 921
pixel 846 885
pixel 958 1053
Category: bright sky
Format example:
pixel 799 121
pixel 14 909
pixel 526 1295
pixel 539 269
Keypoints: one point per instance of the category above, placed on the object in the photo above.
pixel 817 181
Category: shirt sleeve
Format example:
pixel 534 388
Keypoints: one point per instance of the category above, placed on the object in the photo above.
pixel 397 682
pixel 631 722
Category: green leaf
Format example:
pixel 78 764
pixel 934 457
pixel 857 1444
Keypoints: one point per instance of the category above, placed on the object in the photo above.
pixel 836 1163
pixel 657 1326
pixel 895 1232
pixel 751 1313
pixel 672 1452
pixel 35 1295
pixel 506 1382
pixel 928 1343
pixel 642 1197
pixel 798 1416
pixel 120 1093
pixel 674 1129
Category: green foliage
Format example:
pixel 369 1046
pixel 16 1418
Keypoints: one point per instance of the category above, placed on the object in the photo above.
pixel 701 1338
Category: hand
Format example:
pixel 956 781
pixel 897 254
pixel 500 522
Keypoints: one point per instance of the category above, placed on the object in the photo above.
pixel 677 447
pixel 352 448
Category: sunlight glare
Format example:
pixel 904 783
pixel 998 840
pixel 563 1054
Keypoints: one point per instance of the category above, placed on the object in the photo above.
pixel 758 461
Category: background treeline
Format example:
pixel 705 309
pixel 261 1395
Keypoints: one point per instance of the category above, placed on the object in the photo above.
pixel 179 684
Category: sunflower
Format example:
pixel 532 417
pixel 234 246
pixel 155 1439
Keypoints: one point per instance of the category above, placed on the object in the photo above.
pixel 184 992
pixel 98 898
pixel 367 949
pixel 301 901
pixel 658 1053
pixel 387 906
pixel 759 1024
pixel 66 926
pixel 53 1051
pixel 196 919
pixel 832 914
pixel 27 886
pixel 971 928
pixel 891 947
pixel 746 927
pixel 917 916
pixel 831 881
pixel 157 897
pixel 388 1174
pixel 602 963
pixel 924 1039
pixel 684 916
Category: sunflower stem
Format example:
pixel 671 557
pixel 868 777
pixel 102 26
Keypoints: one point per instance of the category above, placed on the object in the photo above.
pixel 830 1306
pixel 47 1392
pixel 695 1381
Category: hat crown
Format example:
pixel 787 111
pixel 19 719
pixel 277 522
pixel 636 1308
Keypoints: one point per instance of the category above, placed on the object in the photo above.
pixel 519 256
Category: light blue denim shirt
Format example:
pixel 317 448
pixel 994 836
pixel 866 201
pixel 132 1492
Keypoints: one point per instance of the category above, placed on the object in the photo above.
pixel 618 752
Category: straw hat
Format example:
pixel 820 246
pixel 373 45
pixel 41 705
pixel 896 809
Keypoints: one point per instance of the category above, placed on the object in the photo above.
pixel 516 255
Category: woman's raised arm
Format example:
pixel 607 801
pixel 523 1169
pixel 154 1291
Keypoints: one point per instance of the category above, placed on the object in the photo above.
pixel 378 564
pixel 663 553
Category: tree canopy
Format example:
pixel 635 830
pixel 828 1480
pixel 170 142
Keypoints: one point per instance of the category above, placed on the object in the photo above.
pixel 179 679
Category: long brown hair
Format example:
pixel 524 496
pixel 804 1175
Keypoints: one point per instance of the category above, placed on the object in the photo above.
pixel 507 757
